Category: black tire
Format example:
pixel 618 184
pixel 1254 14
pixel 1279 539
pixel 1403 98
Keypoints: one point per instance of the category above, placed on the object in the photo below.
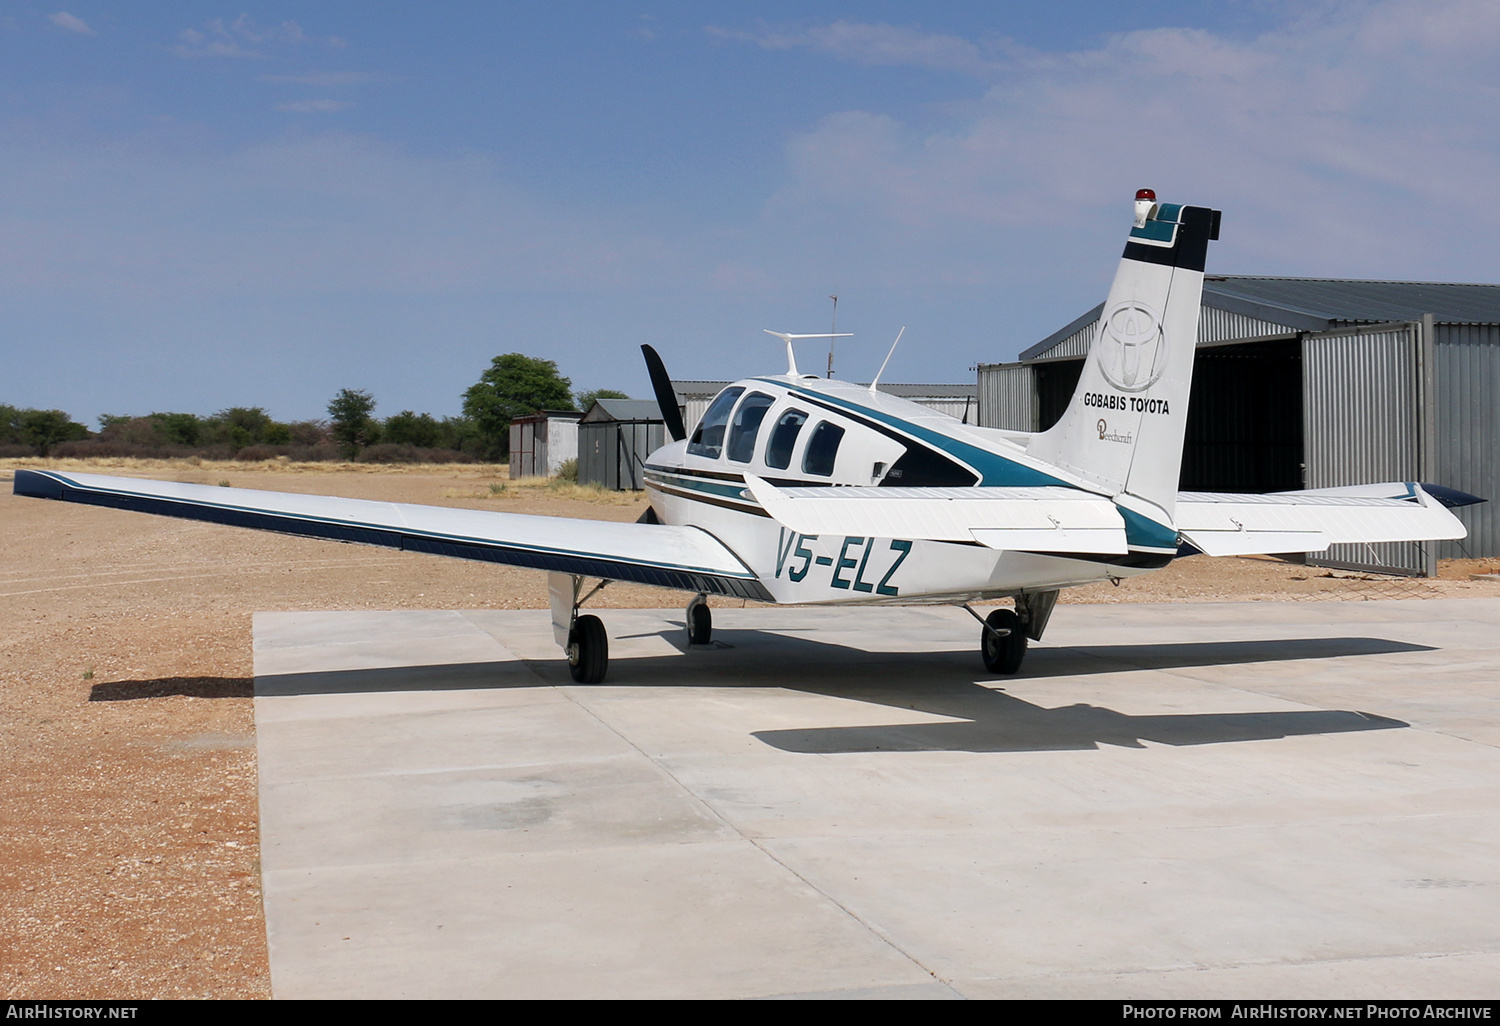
pixel 700 624
pixel 588 650
pixel 1003 655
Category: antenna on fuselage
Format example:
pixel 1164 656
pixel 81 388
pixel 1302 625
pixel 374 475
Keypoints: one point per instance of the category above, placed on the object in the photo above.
pixel 791 359
pixel 888 357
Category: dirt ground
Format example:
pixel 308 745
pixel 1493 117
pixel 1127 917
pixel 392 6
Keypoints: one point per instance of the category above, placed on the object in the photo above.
pixel 129 854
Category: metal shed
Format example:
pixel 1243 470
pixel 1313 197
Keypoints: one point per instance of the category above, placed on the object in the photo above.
pixel 614 438
pixel 540 443
pixel 958 401
pixel 1316 382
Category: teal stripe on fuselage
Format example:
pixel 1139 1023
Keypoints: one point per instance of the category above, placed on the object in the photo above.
pixel 1143 532
pixel 998 472
pixel 995 471
pixel 697 484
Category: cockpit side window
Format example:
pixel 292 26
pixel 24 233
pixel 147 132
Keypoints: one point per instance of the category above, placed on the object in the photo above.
pixel 746 426
pixel 708 439
pixel 784 439
pixel 822 449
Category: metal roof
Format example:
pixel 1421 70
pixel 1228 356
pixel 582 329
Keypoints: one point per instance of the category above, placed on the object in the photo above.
pixel 622 409
pixel 1318 304
pixel 1374 302
pixel 541 415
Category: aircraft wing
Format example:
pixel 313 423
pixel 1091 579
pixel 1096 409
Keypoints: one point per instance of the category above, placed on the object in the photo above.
pixel 684 558
pixel 1028 519
pixel 1224 524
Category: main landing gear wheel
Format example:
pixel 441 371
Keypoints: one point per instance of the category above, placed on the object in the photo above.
pixel 1003 653
pixel 588 650
pixel 700 622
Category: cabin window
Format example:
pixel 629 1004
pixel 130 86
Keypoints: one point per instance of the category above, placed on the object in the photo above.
pixel 746 426
pixel 822 449
pixel 784 439
pixel 708 438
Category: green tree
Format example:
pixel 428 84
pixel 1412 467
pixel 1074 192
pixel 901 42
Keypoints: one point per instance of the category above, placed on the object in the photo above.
pixel 178 428
pixel 408 428
pixel 586 399
pixel 513 386
pixel 10 425
pixel 353 427
pixel 46 428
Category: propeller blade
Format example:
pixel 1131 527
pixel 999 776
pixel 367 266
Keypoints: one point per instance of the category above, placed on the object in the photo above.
pixel 666 396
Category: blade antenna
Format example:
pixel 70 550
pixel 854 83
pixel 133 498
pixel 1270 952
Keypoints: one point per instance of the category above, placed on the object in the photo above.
pixel 888 357
pixel 791 357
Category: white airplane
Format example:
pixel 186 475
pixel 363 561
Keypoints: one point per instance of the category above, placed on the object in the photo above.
pixel 800 490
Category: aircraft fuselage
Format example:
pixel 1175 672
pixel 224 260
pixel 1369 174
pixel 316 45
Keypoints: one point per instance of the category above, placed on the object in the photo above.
pixel 803 432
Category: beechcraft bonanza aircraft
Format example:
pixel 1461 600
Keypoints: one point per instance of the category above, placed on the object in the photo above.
pixel 801 490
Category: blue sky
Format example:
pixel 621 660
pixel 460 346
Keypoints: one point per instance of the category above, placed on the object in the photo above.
pixel 204 206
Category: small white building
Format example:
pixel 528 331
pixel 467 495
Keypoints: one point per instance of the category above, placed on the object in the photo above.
pixel 541 442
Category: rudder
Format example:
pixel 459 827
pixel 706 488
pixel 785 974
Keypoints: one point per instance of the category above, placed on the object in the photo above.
pixel 1123 429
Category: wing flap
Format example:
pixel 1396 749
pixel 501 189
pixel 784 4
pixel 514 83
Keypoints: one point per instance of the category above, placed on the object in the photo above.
pixel 1031 519
pixel 657 554
pixel 1223 524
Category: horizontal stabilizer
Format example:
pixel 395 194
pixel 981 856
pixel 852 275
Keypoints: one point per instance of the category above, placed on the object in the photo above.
pixel 1224 524
pixel 1023 519
pixel 670 557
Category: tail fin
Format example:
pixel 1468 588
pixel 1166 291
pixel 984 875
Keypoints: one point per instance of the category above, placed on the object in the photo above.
pixel 1124 427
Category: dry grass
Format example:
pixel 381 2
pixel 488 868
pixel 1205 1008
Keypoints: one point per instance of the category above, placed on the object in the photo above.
pixel 133 465
pixel 490 481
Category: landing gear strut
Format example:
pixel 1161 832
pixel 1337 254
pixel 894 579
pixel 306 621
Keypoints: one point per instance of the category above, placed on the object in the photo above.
pixel 581 637
pixel 1002 642
pixel 700 621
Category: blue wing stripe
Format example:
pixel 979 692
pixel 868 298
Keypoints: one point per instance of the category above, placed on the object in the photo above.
pixel 47 486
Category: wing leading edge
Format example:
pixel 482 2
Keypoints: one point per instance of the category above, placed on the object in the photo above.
pixel 683 558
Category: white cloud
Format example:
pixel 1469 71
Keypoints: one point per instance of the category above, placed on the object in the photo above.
pixel 879 45
pixel 244 37
pixel 71 22
pixel 314 106
pixel 322 79
pixel 333 213
pixel 1357 141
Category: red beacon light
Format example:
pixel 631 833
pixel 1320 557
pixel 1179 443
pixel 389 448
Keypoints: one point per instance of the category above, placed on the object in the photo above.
pixel 1145 206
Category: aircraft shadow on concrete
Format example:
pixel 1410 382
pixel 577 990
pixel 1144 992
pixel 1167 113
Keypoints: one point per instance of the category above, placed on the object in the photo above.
pixel 984 717
pixel 160 687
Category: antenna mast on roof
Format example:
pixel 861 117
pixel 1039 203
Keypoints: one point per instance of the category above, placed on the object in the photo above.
pixel 833 333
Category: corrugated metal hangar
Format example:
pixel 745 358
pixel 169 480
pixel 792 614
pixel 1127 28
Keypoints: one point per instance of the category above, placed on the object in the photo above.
pixel 1312 383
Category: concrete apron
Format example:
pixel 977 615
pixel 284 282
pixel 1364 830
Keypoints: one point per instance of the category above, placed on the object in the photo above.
pixel 1272 800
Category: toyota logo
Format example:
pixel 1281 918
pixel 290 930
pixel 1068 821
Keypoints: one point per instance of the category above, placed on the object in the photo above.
pixel 1131 346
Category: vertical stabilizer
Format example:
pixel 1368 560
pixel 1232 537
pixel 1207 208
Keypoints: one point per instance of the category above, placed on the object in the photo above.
pixel 1124 427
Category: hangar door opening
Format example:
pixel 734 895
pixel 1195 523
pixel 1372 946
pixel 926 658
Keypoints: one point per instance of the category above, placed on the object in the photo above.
pixel 1244 429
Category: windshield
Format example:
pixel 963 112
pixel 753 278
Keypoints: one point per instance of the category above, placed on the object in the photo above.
pixel 708 439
